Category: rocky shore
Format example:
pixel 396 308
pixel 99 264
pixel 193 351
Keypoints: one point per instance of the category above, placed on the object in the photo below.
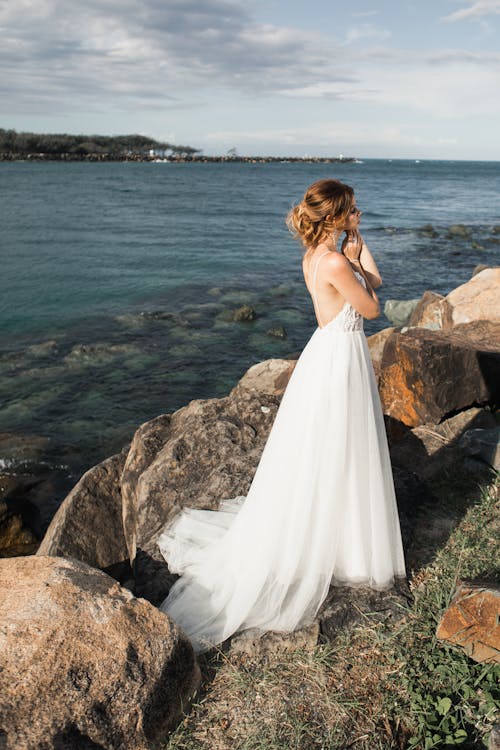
pixel 80 628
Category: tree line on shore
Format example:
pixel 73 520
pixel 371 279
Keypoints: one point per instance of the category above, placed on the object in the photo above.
pixel 66 147
pixel 79 146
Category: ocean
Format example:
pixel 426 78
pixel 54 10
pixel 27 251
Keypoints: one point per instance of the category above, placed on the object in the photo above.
pixel 118 281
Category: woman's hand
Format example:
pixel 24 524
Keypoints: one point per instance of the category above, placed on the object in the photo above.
pixel 352 245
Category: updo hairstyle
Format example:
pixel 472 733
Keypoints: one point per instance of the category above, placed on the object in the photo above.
pixel 307 220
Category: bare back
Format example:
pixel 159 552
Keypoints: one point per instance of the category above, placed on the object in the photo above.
pixel 327 301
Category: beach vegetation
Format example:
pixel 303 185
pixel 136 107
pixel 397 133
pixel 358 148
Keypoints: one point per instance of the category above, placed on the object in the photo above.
pixel 376 686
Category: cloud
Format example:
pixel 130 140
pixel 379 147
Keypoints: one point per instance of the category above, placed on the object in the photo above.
pixel 476 10
pixel 133 52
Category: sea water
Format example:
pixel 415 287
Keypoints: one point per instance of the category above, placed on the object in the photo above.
pixel 118 281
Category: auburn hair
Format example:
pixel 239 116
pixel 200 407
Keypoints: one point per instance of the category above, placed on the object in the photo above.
pixel 308 219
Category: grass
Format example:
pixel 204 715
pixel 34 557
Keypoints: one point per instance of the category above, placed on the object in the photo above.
pixel 376 687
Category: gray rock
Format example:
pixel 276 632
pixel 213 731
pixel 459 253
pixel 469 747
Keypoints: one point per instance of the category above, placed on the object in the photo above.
pixel 433 312
pixel 399 311
pixel 430 448
pixel 277 332
pixel 428 230
pixel 484 443
pixel 85 664
pixel 459 230
pixel 88 524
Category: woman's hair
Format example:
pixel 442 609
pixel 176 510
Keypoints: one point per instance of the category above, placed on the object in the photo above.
pixel 307 220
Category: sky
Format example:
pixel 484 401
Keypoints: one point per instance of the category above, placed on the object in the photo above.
pixel 401 79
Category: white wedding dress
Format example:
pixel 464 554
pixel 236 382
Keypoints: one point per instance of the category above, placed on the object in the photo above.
pixel 321 508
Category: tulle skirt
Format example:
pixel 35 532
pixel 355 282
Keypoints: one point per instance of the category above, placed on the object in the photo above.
pixel 320 511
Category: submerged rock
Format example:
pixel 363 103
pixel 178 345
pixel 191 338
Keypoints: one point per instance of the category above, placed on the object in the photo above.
pixel 99 353
pixel 428 230
pixel 83 663
pixel 277 332
pixel 244 313
pixel 459 230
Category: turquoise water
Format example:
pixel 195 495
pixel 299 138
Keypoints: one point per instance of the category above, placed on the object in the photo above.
pixel 117 280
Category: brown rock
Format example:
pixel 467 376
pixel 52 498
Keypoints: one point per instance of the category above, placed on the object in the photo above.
pixel 209 451
pixel 88 524
pixel 433 311
pixel 376 344
pixel 471 622
pixel 268 378
pixel 478 299
pixel 201 454
pixel 427 375
pixel 83 662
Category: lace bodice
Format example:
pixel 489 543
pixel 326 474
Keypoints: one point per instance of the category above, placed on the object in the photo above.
pixel 348 319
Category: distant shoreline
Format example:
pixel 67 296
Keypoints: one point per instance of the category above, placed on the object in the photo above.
pixel 95 157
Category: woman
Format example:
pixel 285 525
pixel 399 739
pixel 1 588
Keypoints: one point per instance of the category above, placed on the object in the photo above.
pixel 321 508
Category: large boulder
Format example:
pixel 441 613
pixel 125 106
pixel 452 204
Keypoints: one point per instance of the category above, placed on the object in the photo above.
pixel 477 299
pixel 88 524
pixel 427 375
pixel 83 663
pixel 205 452
pixel 433 311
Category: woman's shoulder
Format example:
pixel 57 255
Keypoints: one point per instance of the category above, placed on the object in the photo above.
pixel 336 262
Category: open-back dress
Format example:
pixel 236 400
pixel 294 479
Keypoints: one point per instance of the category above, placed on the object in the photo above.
pixel 321 508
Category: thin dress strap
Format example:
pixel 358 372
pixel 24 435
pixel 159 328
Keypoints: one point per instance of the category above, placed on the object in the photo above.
pixel 313 289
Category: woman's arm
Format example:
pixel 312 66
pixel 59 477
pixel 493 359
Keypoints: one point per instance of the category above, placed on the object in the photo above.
pixel 369 266
pixel 339 273
pixel 356 251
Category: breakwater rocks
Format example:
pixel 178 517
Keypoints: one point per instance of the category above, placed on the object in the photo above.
pixel 174 159
pixel 94 584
